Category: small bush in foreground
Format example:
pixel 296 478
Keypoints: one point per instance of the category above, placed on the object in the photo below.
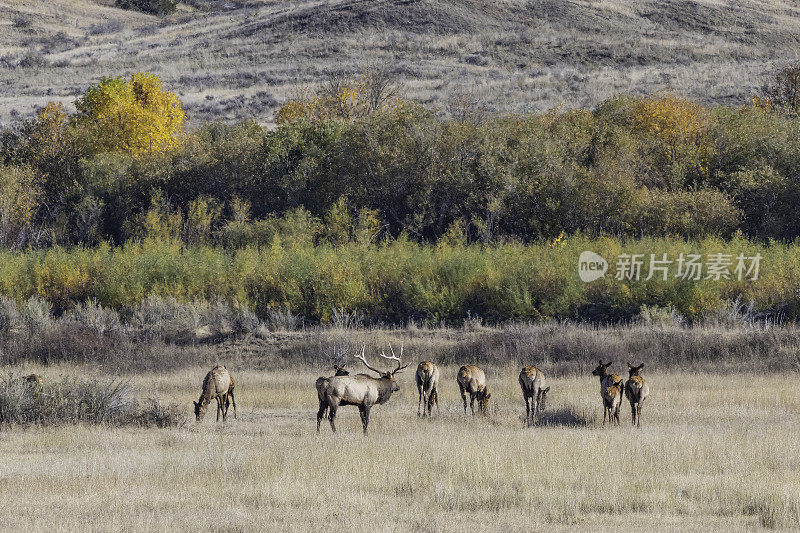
pixel 70 402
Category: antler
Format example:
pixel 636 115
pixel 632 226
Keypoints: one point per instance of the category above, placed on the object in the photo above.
pixel 336 357
pixel 393 357
pixel 364 360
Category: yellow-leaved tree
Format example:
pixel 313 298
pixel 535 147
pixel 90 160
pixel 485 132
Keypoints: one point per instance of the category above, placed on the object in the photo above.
pixel 343 98
pixel 680 129
pixel 133 115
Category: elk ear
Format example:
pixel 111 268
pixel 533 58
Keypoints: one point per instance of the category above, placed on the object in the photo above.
pixel 546 389
pixel 609 363
pixel 195 403
pixel 630 366
pixel 640 367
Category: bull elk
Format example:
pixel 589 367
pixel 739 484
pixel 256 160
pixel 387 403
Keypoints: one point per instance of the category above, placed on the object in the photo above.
pixel 215 387
pixel 471 379
pixel 361 390
pixel 611 386
pixel 427 379
pixel 532 381
pixel 636 390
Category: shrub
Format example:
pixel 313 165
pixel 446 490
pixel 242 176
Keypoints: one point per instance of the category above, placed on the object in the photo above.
pixel 153 7
pixel 20 193
pixel 783 90
pixel 72 401
pixel 105 27
pixel 344 98
pixel 22 21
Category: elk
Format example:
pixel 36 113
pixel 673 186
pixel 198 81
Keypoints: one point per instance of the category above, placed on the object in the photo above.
pixel 636 390
pixel 532 381
pixel 427 378
pixel 33 380
pixel 215 387
pixel 473 380
pixel 362 390
pixel 321 385
pixel 611 386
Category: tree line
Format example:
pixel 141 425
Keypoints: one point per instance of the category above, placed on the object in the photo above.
pixel 351 161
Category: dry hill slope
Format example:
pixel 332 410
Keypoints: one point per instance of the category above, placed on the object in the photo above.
pixel 242 59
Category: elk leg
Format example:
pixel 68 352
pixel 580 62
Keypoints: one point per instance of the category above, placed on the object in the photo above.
pixel 436 397
pixel 527 408
pixel 419 402
pixel 364 411
pixel 471 403
pixel 463 397
pixel 233 400
pixel 219 408
pixel 332 415
pixel 321 413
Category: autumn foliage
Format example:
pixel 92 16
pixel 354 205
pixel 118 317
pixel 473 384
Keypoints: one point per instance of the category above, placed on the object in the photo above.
pixel 133 115
pixel 342 98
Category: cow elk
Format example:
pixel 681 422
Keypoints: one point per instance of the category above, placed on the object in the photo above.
pixel 611 386
pixel 33 380
pixel 532 381
pixel 215 387
pixel 361 390
pixel 636 390
pixel 427 379
pixel 471 379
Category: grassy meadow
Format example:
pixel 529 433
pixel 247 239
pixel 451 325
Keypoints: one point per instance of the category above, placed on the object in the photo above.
pixel 715 451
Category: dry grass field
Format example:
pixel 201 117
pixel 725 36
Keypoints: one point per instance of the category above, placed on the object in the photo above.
pixel 716 452
pixel 242 58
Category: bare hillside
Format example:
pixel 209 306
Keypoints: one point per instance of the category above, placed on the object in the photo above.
pixel 242 58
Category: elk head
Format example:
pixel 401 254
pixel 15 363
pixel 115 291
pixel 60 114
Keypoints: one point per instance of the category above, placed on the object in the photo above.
pixel 541 398
pixel 200 409
pixel 341 370
pixel 337 360
pixel 390 374
pixel 601 368
pixel 634 370
pixel 483 401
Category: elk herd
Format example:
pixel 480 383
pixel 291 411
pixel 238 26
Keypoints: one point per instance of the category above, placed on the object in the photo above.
pixel 365 391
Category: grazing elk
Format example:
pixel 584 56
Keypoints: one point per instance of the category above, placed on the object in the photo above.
pixel 215 387
pixel 361 389
pixel 33 380
pixel 472 379
pixel 427 379
pixel 532 381
pixel 636 390
pixel 611 386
